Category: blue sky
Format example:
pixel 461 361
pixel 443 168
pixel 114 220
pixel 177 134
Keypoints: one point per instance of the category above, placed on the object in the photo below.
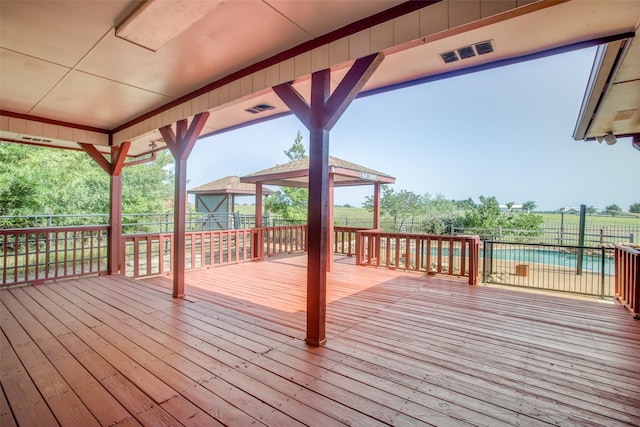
pixel 505 132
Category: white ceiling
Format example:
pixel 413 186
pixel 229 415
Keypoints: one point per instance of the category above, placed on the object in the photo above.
pixel 60 61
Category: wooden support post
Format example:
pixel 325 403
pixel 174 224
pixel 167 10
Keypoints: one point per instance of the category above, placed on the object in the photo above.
pixel 258 244
pixel 114 169
pixel 319 117
pixel 330 236
pixel 116 250
pixel 180 143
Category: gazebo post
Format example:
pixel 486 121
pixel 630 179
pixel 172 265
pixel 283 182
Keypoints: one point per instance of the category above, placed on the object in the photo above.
pixel 376 206
pixel 319 118
pixel 180 143
pixel 114 169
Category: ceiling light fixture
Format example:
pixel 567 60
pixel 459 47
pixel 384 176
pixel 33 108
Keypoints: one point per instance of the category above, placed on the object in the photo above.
pixel 610 139
pixel 157 22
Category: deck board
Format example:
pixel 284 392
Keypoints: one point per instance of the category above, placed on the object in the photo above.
pixel 403 349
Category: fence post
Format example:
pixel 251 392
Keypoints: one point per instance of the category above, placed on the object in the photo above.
pixel 602 266
pixel 488 260
pixel 474 260
pixel 583 210
pixel 631 237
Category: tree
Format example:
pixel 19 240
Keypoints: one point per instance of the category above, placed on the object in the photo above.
pixel 39 180
pixel 635 208
pixel 590 210
pixel 148 187
pixel 486 215
pixel 612 209
pixel 440 214
pixel 399 205
pixel 529 206
pixel 297 151
pixel 290 202
pixel 466 204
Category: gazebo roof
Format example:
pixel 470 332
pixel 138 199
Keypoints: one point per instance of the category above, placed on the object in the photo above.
pixel 296 174
pixel 228 185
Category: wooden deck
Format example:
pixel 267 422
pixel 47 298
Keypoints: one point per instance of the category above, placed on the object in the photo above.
pixel 403 349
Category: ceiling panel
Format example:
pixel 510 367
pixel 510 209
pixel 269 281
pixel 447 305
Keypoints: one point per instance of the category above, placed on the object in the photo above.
pixel 61 32
pixel 95 102
pixel 209 50
pixel 25 80
pixel 630 68
pixel 620 113
pixel 305 13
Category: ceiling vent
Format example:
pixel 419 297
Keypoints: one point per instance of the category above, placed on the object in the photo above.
pixel 480 48
pixel 259 108
pixel 33 139
pixel 466 52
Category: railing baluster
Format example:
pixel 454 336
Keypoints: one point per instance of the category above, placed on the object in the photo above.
pixel 416 253
pixel 5 258
pixel 46 253
pixel 627 278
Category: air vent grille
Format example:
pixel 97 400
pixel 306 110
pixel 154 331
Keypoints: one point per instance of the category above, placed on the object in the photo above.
pixel 34 139
pixel 481 48
pixel 256 109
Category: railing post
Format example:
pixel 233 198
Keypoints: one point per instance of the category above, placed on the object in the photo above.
pixel 474 260
pixel 636 286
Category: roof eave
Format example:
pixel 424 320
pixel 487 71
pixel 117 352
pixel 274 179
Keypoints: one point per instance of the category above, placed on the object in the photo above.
pixel 605 65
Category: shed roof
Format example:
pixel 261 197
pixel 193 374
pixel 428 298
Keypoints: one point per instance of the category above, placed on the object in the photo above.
pixel 228 185
pixel 296 174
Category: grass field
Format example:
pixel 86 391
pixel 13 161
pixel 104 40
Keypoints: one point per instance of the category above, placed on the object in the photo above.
pixel 356 216
pixel 556 218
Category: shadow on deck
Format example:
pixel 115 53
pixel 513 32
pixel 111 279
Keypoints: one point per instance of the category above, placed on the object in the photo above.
pixel 402 349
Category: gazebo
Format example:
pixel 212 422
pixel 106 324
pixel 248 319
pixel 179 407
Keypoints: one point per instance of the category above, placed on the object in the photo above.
pixel 341 174
pixel 216 199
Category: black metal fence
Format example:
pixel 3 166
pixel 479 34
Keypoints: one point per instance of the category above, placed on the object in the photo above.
pixel 583 270
pixel 140 223
pixel 557 234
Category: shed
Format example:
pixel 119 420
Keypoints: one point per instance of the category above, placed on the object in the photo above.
pixel 216 199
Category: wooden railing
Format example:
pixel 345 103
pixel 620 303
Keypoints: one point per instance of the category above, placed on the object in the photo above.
pixel 448 255
pixel 151 254
pixel 284 239
pixel 344 240
pixel 35 255
pixel 627 278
